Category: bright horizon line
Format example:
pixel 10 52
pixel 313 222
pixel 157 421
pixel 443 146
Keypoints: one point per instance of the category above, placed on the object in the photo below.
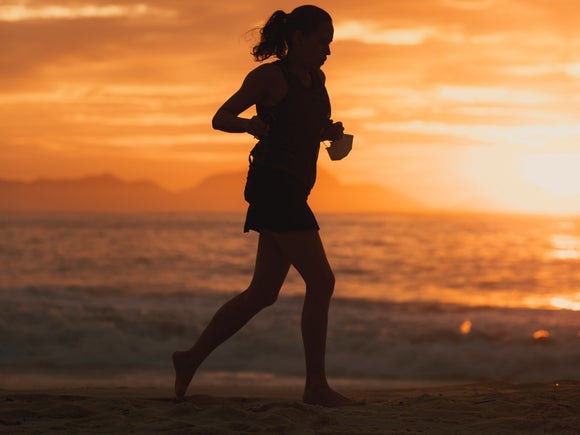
pixel 424 209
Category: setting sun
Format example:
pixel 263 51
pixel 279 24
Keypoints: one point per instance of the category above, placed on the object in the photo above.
pixel 557 174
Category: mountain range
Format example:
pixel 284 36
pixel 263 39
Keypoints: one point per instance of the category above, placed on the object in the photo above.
pixel 220 192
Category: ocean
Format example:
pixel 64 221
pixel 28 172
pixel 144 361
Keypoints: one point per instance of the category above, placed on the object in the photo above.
pixel 106 298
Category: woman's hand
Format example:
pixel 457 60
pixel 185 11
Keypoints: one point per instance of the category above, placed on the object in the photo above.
pixel 333 131
pixel 257 128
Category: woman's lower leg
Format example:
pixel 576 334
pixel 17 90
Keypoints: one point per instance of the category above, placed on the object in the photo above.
pixel 314 331
pixel 269 274
pixel 228 320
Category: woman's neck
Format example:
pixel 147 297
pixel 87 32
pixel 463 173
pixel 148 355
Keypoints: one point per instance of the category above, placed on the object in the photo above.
pixel 301 72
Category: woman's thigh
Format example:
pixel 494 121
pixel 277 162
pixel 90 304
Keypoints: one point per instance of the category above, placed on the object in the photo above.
pixel 305 251
pixel 271 267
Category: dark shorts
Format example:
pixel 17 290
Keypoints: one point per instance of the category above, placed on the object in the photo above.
pixel 277 202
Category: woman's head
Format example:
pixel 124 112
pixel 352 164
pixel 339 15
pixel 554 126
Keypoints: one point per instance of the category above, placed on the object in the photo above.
pixel 279 34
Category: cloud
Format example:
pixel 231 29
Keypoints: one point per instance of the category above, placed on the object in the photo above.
pixel 497 95
pixel 159 119
pixel 25 12
pixel 370 33
pixel 541 70
pixel 170 140
pixel 476 5
pixel 525 136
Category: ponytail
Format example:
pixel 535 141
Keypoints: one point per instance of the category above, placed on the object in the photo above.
pixel 276 35
pixel 273 38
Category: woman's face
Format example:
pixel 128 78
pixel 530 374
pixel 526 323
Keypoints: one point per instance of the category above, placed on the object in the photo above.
pixel 315 47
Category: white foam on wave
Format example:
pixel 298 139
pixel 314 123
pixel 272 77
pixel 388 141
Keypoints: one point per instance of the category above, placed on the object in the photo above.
pixel 67 333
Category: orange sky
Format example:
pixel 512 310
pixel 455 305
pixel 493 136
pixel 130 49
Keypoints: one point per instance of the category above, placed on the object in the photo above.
pixel 457 103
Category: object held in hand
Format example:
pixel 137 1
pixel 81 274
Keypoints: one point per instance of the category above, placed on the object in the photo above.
pixel 340 148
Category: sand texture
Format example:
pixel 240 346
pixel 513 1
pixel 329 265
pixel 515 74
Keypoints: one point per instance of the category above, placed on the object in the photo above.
pixel 493 408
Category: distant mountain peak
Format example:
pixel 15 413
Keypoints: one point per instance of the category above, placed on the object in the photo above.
pixel 106 176
pixel 218 192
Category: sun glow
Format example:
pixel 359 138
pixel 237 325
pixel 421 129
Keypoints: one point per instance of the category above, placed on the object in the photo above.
pixel 554 173
pixel 516 179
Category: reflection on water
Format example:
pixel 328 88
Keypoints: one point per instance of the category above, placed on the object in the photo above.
pixel 465 327
pixel 541 334
pixel 565 303
pixel 564 247
pixel 476 260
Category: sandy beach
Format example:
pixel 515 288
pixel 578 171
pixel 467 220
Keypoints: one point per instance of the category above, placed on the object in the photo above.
pixel 493 408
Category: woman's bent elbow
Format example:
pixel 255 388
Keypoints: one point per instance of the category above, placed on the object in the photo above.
pixel 228 122
pixel 215 122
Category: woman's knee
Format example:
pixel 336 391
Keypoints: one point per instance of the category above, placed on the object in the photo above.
pixel 329 283
pixel 260 298
pixel 322 284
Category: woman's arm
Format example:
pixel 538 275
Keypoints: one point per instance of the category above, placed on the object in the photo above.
pixel 254 89
pixel 333 130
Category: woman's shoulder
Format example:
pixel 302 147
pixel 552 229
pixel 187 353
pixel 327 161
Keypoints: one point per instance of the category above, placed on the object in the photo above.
pixel 268 72
pixel 271 82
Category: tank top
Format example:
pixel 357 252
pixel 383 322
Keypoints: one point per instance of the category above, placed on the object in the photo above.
pixel 296 124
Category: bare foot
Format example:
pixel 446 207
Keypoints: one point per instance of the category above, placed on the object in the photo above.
pixel 329 398
pixel 184 371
